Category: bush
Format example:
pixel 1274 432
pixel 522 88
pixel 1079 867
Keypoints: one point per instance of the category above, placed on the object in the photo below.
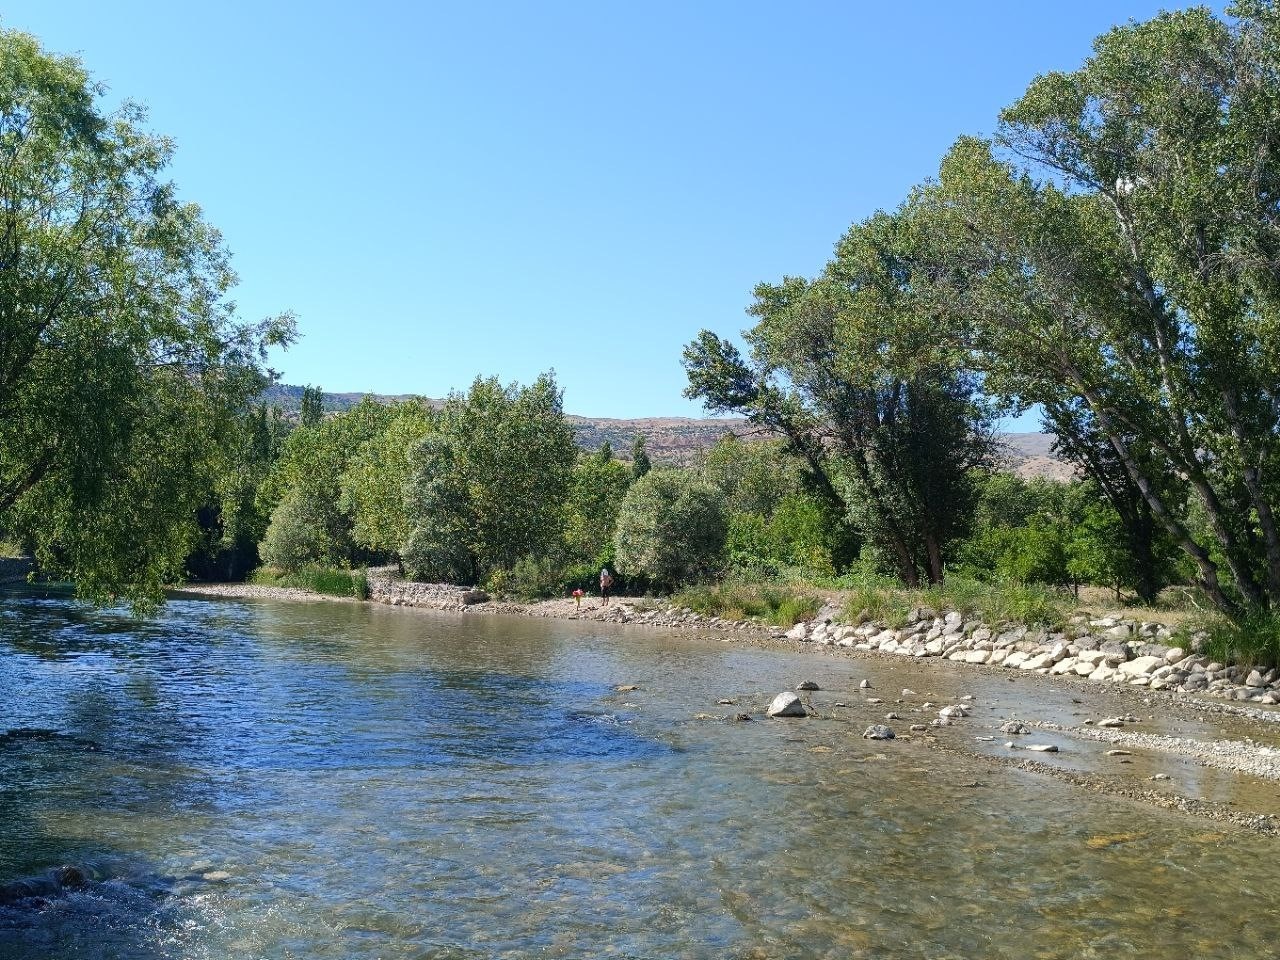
pixel 295 538
pixel 329 581
pixel 671 528
pixel 534 578
pixel 1253 642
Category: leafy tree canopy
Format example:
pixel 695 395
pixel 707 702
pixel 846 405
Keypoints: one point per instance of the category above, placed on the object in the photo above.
pixel 122 363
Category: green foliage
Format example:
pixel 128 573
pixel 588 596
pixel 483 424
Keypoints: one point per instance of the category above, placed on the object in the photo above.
pixel 331 581
pixel 751 477
pixel 532 578
pixel 311 410
pixel 489 484
pixel 774 523
pixel 124 365
pixel 1252 641
pixel 855 371
pixel 1040 531
pixel 1030 604
pixel 596 490
pixel 307 482
pixel 796 536
pixel 373 485
pixel 640 464
pixel 297 536
pixel 671 528
pixel 732 601
pixel 1106 254
pixel 234 520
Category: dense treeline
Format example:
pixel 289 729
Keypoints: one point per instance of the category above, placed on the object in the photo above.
pixel 490 490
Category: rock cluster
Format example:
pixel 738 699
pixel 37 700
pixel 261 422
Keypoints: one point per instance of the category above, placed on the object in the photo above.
pixel 1107 649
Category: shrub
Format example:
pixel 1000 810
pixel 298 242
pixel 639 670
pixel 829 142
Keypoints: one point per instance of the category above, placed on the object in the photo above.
pixel 1254 641
pixel 294 538
pixel 534 578
pixel 331 581
pixel 671 528
pixel 778 605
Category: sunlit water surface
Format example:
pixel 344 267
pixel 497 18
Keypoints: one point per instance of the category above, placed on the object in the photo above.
pixel 245 780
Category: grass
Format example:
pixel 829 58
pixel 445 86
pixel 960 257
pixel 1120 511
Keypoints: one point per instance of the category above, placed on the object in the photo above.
pixel 330 581
pixel 781 606
pixel 1253 642
pixel 1030 604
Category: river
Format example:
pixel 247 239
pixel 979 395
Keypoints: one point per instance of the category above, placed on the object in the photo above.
pixel 337 780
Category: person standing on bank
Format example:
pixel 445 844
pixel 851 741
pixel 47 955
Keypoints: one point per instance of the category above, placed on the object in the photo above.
pixel 606 582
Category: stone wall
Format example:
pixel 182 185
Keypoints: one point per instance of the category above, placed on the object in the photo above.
pixel 386 586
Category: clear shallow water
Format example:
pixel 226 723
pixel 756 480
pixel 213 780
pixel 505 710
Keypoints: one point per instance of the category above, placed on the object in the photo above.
pixel 335 780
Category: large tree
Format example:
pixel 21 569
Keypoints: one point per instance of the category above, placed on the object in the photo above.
pixel 852 370
pixel 1120 240
pixel 122 365
pixel 671 528
pixel 489 484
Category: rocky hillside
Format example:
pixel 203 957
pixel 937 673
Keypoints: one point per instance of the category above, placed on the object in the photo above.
pixel 678 440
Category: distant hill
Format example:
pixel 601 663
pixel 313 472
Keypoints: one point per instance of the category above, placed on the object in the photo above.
pixel 676 441
pixel 1031 455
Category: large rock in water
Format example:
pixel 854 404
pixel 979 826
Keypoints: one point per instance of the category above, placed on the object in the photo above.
pixel 787 705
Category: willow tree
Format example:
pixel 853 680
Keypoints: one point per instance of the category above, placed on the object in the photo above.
pixel 851 369
pixel 1119 241
pixel 122 364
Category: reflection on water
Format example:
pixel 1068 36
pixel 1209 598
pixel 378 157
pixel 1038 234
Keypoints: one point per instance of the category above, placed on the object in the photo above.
pixel 335 780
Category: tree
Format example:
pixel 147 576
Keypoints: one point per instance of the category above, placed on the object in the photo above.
pixel 1120 240
pixel 374 484
pixel 489 484
pixel 122 364
pixel 233 519
pixel 1127 547
pixel 852 370
pixel 752 477
pixel 640 464
pixel 311 409
pixel 596 489
pixel 309 474
pixel 671 528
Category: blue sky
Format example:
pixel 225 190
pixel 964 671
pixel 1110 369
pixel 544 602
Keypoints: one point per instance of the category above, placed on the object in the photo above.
pixel 441 190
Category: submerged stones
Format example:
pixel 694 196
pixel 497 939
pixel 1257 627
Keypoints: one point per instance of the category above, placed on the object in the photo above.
pixel 787 704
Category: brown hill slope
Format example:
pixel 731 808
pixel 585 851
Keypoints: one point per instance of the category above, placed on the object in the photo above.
pixel 676 441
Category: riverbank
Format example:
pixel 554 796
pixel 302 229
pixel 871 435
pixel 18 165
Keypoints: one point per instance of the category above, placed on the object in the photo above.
pixel 1112 649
